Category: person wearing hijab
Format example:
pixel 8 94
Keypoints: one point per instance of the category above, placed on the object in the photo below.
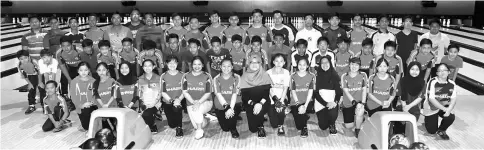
pixel 127 88
pixel 412 89
pixel 327 94
pixel 255 86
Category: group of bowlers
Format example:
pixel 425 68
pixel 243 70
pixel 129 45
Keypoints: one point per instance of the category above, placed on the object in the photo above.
pixel 257 70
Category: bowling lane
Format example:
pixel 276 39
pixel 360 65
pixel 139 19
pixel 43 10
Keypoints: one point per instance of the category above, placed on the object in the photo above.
pixel 473 29
pixel 17 40
pixel 14 27
pixel 6 35
pixel 5 32
pixel 13 82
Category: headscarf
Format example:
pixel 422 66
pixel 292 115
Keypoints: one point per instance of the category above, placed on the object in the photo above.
pixel 326 79
pixel 413 85
pixel 252 78
pixel 128 79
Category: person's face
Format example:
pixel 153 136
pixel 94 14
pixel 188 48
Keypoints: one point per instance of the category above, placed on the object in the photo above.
pixel 343 46
pixel 236 44
pixel 193 48
pixel 135 15
pixel 254 64
pixel 325 65
pixel 173 43
pixel 177 20
pixel 227 67
pixel 102 71
pixel 426 48
pixel 87 49
pixel 47 58
pixel 443 72
pixel 73 24
pixel 414 71
pixel 83 71
pixel 334 21
pixel 453 52
pixel 278 18
pixel 408 23
pixel 34 23
pixel 104 50
pixel 354 67
pixel 234 20
pixel 382 68
pixel 214 18
pixel 279 40
pixel 216 46
pixel 302 65
pixel 367 49
pixel 124 69
pixel 301 48
pixel 279 62
pixel 434 28
pixel 148 67
pixel 256 46
pixel 23 59
pixel 308 21
pixel 50 89
pixel 383 23
pixel 127 46
pixel 66 46
pixel 197 65
pixel 116 19
pixel 257 17
pixel 357 21
pixel 148 19
pixel 390 51
pixel 194 24
pixel 54 24
pixel 172 65
pixel 323 45
pixel 92 20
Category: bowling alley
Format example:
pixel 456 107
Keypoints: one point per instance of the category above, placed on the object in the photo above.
pixel 252 74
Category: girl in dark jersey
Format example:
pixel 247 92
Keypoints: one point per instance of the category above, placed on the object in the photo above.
pixel 69 58
pixel 129 54
pixel 172 95
pixel 55 109
pixel 150 87
pixel 81 92
pixel 354 84
pixel 442 98
pixel 104 87
pixel 327 95
pixel 424 57
pixel 381 90
pixel 232 30
pixel 226 88
pixel 413 88
pixel 197 89
pixel 366 56
pixel 127 88
pixel 109 57
pixel 302 87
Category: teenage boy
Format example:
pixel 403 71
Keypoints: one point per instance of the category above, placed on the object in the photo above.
pixel 280 28
pixel 309 34
pixel 334 31
pixel 381 36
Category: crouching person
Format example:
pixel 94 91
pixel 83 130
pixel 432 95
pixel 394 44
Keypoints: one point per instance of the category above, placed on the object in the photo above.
pixel 55 108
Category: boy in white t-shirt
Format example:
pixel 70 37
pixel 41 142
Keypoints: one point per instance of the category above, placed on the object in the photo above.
pixel 48 70
pixel 440 40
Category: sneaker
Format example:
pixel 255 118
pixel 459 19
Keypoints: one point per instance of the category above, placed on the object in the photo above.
pixel 179 132
pixel 304 132
pixel 235 133
pixel 211 117
pixel 198 134
pixel 261 133
pixel 154 129
pixel 62 127
pixel 80 128
pixel 332 130
pixel 30 110
pixel 357 131
pixel 443 135
pixel 280 131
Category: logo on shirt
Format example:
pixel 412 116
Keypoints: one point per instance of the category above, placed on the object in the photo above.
pixel 437 89
pixel 381 92
pixel 173 89
pixel 200 83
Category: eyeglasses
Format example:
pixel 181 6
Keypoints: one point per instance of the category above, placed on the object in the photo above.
pixel 442 71
pixel 256 62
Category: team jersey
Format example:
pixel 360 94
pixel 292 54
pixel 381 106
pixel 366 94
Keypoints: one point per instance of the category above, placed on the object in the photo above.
pixel 180 32
pixel 110 59
pixel 215 31
pixel 382 89
pixel 395 65
pixel 129 56
pixel 366 62
pixel 302 84
pixel 333 35
pixel 295 57
pixel 127 93
pixel 115 38
pixel 29 68
pixel 279 82
pixel 91 59
pixel 379 38
pixel 105 91
pixel 229 32
pixel 50 104
pixel 262 53
pixel 34 42
pixel 52 39
pixel 356 38
pixel 264 34
pixel 311 36
pixel 316 58
pixel 440 40
pixel 226 87
pixel 156 57
pixel 154 33
pixel 453 64
pixel 238 58
pixel 197 86
pixel 81 91
pixel 187 36
pixel 426 60
pixel 76 39
pixel 285 31
pixel 134 29
pixel 440 91
pixel 355 87
pixel 149 89
pixel 95 35
pixel 342 64
pixel 171 84
pixel 48 71
pixel 70 58
pixel 215 59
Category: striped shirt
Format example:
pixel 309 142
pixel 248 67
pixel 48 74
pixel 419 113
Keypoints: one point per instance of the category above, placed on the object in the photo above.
pixel 226 87
pixel 34 42
pixel 382 89
pixel 171 84
pixel 302 84
pixel 355 87
pixel 197 86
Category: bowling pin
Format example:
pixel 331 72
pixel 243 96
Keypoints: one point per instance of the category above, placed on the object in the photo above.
pixel 448 22
pixel 421 22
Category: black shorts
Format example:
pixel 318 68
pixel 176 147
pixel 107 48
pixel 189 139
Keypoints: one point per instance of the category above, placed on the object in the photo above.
pixel 349 114
pixel 380 108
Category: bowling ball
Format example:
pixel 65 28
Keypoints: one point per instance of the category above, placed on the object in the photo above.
pixel 398 146
pixel 106 137
pixel 399 139
pixel 92 143
pixel 419 146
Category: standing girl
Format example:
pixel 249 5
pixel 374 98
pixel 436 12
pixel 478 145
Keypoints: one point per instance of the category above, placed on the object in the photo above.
pixel 81 92
pixel 281 79
pixel 149 85
pixel 302 86
pixel 172 95
pixel 381 90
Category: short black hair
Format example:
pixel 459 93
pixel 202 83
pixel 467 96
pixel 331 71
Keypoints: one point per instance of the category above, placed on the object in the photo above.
pixel 302 41
pixel 52 18
pixel 135 9
pixel 257 11
pixel 435 20
pixel 367 41
pixel 407 17
pixel 175 15
pixel 104 43
pixel 214 12
pixel 92 14
pixel 390 43
pixel 236 37
pixel 170 58
pixel 335 14
pixel 453 46
pixel 381 17
pixel 343 40
pixel 65 39
pixel 425 41
pixel 193 40
pixel 215 39
pixel 87 43
pixel 278 34
pixel 73 18
pixel 355 60
pixel 172 36
pixel 116 13
pixel 194 17
pixel 34 17
pixel 127 39
pixel 256 39
pixel 234 14
pixel 308 14
pixel 149 44
pixel 277 12
pixel 323 38
pixel 45 52
pixel 52 82
pixel 356 16
pixel 21 53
